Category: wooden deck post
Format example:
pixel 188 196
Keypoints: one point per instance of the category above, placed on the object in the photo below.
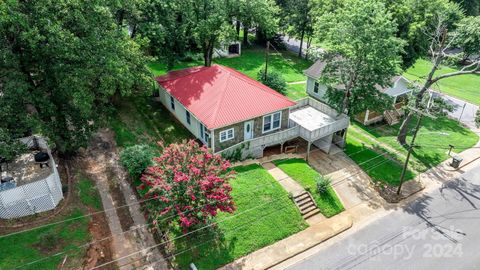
pixel 281 148
pixel 308 150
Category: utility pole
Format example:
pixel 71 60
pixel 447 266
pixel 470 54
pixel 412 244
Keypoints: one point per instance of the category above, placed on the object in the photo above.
pixel 410 148
pixel 266 61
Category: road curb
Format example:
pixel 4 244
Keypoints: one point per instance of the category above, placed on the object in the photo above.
pixel 289 247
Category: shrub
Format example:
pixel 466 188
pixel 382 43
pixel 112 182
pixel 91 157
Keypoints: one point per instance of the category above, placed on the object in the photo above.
pixel 323 183
pixel 137 158
pixel 189 184
pixel 274 80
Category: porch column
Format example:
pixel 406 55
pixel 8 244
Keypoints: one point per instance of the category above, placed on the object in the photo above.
pixel 366 117
pixel 308 150
pixel 281 148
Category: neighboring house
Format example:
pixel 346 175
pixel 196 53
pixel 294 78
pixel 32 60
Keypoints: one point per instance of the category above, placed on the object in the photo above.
pixel 229 112
pixel 399 92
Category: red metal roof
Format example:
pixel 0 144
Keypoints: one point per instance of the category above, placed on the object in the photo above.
pixel 220 96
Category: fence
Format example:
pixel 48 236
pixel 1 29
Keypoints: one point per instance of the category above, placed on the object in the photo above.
pixel 35 197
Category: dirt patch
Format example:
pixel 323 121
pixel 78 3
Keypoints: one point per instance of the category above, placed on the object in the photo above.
pixel 99 252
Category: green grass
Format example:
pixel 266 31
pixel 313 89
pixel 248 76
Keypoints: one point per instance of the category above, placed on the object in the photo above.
pixel 381 168
pixel 141 120
pixel 465 87
pixel 250 62
pixel 269 215
pixel 88 193
pixel 328 203
pixel 432 143
pixel 297 91
pixel 29 246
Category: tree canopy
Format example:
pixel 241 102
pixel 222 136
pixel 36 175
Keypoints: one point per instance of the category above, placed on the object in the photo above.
pixel 364 54
pixel 62 62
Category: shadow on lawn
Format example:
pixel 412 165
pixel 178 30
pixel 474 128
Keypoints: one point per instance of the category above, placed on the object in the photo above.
pixel 207 249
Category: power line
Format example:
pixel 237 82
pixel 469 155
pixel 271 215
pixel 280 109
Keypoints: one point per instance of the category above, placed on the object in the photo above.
pixel 142 226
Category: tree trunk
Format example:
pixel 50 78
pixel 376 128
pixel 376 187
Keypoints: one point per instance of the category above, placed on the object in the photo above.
pixel 309 43
pixel 134 31
pixel 238 30
pixel 207 54
pixel 301 43
pixel 245 35
pixel 438 57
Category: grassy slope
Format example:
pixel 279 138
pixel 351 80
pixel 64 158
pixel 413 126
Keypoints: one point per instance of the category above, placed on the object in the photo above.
pixel 378 167
pixel 250 62
pixel 245 233
pixel 464 87
pixel 34 245
pixel 300 171
pixel 433 139
pixel 142 120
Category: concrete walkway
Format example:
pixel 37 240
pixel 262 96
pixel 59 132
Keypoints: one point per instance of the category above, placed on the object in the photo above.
pixel 290 185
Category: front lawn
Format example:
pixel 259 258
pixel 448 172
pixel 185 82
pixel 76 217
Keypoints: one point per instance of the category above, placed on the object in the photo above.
pixel 250 63
pixel 268 216
pixel 463 87
pixel 297 91
pixel 328 203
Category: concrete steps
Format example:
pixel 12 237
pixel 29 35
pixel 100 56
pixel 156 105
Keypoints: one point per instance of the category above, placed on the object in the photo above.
pixel 306 204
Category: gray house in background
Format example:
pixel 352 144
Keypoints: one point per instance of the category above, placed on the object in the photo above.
pixel 399 91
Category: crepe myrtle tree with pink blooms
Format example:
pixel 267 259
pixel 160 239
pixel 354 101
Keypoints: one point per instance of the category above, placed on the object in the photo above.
pixel 189 186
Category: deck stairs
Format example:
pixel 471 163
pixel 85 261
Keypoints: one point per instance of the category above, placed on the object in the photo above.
pixel 306 204
pixel 392 117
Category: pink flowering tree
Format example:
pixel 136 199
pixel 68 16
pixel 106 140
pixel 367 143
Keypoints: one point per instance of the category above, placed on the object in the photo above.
pixel 189 184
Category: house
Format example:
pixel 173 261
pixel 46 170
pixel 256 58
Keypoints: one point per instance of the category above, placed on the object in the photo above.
pixel 230 112
pixel 399 91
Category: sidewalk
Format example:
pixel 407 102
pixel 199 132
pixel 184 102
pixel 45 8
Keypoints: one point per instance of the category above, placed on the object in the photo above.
pixel 287 248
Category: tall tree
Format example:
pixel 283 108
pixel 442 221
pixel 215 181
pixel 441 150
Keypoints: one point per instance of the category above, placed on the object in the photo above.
pixel 440 42
pixel 471 7
pixel 211 25
pixel 260 14
pixel 417 17
pixel 364 54
pixel 168 26
pixel 300 20
pixel 67 59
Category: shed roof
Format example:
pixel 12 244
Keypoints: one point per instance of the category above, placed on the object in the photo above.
pixel 220 96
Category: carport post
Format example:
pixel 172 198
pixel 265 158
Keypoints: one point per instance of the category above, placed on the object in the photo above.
pixel 308 149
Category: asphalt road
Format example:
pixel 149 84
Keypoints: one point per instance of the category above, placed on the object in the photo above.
pixel 440 230
pixel 466 115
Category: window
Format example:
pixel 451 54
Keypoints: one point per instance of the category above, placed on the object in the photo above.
pixel 172 103
pixel 226 135
pixel 315 88
pixel 187 115
pixel 272 122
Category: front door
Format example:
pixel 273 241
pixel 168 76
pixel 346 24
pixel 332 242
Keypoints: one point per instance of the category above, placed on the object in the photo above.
pixel 248 131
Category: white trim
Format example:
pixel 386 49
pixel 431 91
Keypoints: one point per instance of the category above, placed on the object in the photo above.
pixel 271 122
pixel 226 131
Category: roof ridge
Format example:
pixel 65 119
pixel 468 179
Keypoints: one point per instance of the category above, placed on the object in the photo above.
pixel 254 82
pixel 193 70
pixel 222 97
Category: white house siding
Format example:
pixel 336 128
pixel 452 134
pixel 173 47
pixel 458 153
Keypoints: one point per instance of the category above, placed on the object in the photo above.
pixel 322 89
pixel 180 114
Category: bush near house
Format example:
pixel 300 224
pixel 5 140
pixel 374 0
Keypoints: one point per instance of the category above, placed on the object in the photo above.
pixel 274 80
pixel 264 216
pixel 137 158
pixel 298 169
